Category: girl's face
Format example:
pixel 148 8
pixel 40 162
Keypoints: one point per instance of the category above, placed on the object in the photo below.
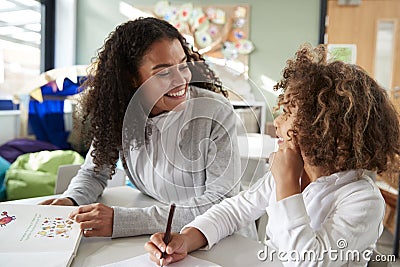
pixel 165 76
pixel 284 123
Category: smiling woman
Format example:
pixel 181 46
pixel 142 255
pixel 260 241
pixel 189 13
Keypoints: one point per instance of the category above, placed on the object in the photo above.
pixel 155 103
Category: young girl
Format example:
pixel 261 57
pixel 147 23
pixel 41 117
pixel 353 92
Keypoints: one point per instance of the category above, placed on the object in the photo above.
pixel 336 124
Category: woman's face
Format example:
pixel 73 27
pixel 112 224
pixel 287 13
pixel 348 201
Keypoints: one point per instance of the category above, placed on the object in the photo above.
pixel 164 76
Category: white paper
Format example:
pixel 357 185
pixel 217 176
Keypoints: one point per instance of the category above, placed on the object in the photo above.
pixel 144 261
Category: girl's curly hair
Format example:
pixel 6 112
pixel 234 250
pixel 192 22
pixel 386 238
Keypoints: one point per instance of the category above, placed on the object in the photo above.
pixel 115 79
pixel 345 120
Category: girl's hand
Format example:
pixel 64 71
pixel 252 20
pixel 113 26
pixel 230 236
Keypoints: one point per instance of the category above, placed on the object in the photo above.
pixel 176 249
pixel 94 219
pixel 287 167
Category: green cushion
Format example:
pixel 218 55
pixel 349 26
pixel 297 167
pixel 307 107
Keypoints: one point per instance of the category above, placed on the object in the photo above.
pixel 35 174
pixel 25 184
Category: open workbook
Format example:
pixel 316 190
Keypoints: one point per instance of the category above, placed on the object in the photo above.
pixel 36 235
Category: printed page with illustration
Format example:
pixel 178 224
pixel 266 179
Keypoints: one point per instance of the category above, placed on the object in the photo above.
pixel 37 235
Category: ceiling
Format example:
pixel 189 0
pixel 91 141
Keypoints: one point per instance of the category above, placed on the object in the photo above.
pixel 20 21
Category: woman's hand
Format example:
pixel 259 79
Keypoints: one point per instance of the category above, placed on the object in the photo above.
pixel 94 219
pixel 287 167
pixel 58 201
pixel 176 249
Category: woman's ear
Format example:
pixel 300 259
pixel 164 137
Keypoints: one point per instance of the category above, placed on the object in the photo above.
pixel 134 83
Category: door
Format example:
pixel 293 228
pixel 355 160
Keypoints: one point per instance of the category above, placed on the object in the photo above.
pixel 374 27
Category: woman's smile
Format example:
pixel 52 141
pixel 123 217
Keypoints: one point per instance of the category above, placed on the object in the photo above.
pixel 177 94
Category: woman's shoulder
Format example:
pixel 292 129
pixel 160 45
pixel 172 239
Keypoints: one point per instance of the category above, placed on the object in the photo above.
pixel 210 100
pixel 201 92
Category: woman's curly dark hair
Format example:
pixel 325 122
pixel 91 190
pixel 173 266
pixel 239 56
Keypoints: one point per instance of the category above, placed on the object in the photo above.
pixel 115 79
pixel 345 120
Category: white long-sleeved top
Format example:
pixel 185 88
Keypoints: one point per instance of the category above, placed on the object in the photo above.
pixel 343 210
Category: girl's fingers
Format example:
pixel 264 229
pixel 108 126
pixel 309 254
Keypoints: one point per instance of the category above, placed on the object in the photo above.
pixel 158 241
pixel 176 249
pixel 176 257
pixel 295 144
pixel 271 159
pixel 153 250
pixel 175 245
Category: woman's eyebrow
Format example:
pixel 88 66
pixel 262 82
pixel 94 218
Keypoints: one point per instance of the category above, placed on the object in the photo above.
pixel 166 65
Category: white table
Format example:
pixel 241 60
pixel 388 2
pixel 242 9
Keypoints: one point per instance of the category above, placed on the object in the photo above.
pixel 234 250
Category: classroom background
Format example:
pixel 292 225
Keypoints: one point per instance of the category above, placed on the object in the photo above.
pixel 46 47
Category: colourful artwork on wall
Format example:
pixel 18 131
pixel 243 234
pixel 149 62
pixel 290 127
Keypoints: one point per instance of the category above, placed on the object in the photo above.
pixel 215 31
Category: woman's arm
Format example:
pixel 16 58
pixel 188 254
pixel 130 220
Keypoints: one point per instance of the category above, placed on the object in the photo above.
pixel 87 186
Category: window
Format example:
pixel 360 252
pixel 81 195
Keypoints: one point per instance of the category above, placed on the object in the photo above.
pixel 20 45
pixel 384 52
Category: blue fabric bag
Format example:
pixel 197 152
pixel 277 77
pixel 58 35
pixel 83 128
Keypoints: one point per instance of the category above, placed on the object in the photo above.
pixel 4 165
